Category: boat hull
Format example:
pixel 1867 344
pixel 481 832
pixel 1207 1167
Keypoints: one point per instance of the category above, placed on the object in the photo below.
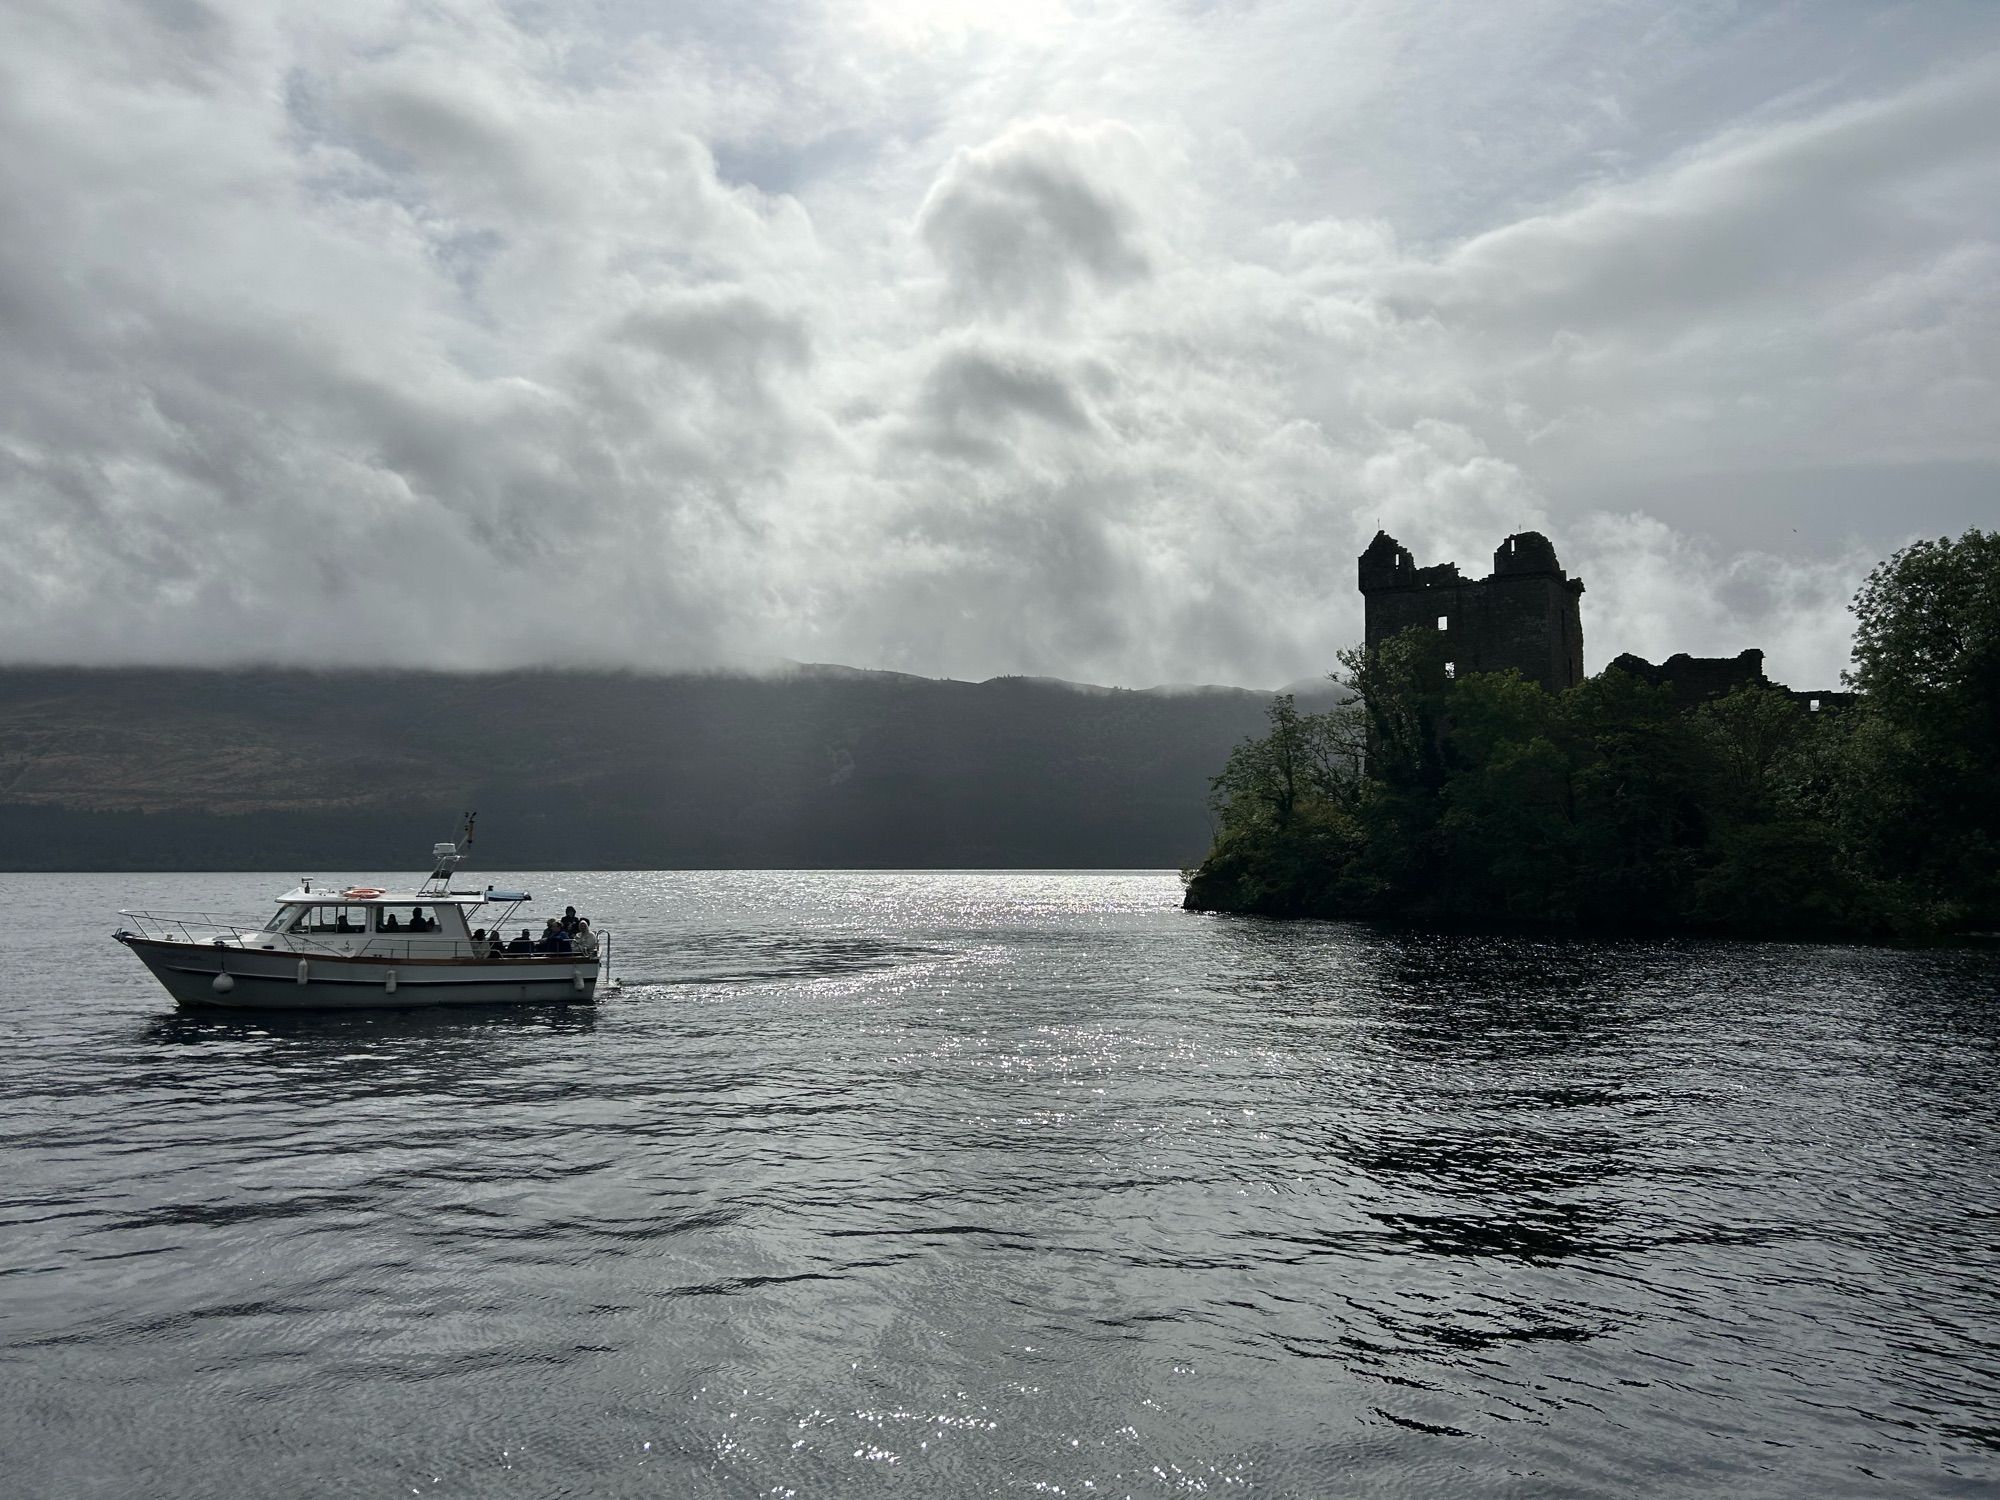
pixel 262 979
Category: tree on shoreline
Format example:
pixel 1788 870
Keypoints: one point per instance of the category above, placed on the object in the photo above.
pixel 1927 659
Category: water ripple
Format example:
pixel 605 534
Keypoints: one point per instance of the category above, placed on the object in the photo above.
pixel 993 1184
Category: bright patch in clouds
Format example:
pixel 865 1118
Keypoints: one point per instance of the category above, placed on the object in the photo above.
pixel 1090 340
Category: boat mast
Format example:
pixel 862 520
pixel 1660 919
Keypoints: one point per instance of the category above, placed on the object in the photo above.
pixel 444 859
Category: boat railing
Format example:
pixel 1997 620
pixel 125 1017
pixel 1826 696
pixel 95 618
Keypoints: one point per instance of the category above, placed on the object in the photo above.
pixel 384 947
pixel 187 926
pixel 206 928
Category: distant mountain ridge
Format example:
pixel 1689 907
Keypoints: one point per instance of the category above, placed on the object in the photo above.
pixel 810 766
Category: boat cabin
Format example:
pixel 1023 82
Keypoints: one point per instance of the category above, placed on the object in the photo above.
pixel 367 922
pixel 423 917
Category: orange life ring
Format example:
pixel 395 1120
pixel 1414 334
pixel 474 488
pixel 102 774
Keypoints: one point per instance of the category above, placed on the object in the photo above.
pixel 362 892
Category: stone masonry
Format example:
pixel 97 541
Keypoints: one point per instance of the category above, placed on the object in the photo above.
pixel 1695 680
pixel 1525 615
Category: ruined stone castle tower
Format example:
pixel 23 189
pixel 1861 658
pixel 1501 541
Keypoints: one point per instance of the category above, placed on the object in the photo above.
pixel 1524 616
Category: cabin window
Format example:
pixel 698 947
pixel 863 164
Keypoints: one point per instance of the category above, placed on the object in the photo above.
pixel 329 919
pixel 333 919
pixel 400 919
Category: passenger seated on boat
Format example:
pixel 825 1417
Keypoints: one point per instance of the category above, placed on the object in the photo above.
pixel 480 947
pixel 554 939
pixel 389 922
pixel 522 944
pixel 569 920
pixel 341 924
pixel 585 940
pixel 418 922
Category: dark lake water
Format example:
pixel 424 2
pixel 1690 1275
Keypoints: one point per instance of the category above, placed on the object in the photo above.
pixel 1003 1184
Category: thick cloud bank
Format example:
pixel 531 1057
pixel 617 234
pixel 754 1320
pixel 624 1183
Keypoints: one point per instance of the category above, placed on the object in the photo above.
pixel 1094 342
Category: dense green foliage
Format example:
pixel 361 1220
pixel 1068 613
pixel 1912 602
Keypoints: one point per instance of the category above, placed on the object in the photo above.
pixel 1484 798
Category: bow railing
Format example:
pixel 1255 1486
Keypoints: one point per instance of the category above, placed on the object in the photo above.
pixel 188 926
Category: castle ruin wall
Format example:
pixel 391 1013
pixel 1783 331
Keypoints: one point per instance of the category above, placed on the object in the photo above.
pixel 1525 616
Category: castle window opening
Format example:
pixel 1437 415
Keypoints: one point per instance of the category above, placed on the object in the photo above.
pixel 1451 669
pixel 1444 622
pixel 1813 705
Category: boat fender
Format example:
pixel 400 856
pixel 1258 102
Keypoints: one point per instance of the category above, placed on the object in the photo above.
pixel 389 983
pixel 223 983
pixel 577 980
pixel 302 971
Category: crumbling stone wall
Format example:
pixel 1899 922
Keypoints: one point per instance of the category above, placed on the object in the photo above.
pixel 1524 616
pixel 1696 679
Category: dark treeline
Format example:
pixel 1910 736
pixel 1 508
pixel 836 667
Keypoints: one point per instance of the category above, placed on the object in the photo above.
pixel 1487 799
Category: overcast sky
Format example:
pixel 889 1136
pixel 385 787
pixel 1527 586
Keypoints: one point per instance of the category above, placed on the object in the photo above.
pixel 1086 340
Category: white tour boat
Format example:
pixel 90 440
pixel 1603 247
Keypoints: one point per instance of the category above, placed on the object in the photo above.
pixel 367 946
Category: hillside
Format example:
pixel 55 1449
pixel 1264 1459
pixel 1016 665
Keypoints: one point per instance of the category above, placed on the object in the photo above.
pixel 156 769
